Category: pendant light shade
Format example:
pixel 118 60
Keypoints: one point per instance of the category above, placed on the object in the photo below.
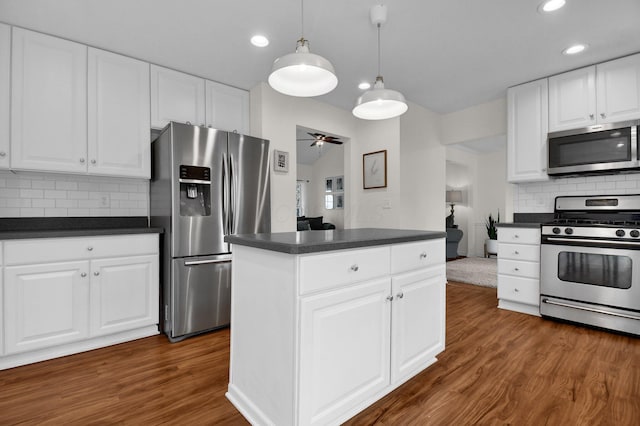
pixel 303 73
pixel 379 103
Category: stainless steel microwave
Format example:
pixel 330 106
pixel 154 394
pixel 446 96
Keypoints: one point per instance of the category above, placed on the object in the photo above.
pixel 601 148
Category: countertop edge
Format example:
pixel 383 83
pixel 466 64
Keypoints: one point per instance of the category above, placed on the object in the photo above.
pixel 519 225
pixel 317 247
pixel 15 235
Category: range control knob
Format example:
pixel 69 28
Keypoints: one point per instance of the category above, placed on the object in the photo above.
pixel 620 233
pixel 556 230
pixel 568 231
pixel 635 233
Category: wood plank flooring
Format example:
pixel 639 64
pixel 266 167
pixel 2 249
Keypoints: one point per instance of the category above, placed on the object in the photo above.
pixel 499 367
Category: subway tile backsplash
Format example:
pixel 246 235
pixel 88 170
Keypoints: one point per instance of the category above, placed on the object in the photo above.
pixel 538 197
pixel 32 194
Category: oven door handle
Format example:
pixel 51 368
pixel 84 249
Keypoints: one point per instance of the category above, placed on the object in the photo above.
pixel 584 308
pixel 600 243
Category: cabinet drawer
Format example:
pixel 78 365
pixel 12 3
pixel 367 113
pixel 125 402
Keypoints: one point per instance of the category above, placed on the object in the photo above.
pixel 409 256
pixel 46 250
pixel 527 252
pixel 519 235
pixel 324 271
pixel 519 268
pixel 521 290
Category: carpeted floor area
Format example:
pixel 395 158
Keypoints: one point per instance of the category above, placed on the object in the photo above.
pixel 474 270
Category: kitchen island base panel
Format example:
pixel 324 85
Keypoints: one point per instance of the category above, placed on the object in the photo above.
pixel 280 328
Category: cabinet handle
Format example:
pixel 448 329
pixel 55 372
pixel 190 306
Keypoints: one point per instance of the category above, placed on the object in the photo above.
pixel 90 248
pixel 82 160
pixel 591 116
pixel 516 236
pixel 93 161
pixel 84 274
pixel 390 298
pixel 603 115
pixel 516 269
pixel 354 268
pixel 400 295
pixel 516 252
pixel 423 255
pixel 96 273
pixel 2 153
pixel 516 290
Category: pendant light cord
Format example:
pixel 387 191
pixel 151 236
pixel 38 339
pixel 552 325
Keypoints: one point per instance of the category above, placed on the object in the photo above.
pixel 379 50
pixel 302 19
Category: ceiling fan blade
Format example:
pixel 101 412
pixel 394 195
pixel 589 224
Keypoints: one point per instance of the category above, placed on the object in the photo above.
pixel 335 142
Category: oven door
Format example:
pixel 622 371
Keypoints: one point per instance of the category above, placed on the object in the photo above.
pixel 595 272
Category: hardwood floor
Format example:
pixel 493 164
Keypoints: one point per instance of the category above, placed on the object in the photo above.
pixel 499 367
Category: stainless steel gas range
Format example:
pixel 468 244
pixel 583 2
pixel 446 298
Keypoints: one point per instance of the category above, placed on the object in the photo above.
pixel 590 262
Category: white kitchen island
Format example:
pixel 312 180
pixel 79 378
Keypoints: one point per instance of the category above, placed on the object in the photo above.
pixel 325 323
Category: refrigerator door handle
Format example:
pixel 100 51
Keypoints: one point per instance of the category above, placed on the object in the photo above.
pixel 232 196
pixel 225 196
pixel 205 262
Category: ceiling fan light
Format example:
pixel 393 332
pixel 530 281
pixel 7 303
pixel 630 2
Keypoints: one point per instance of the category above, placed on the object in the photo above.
pixel 380 103
pixel 302 73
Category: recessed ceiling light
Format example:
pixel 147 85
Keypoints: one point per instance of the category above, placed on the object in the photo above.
pixel 259 41
pixel 364 86
pixel 551 5
pixel 576 48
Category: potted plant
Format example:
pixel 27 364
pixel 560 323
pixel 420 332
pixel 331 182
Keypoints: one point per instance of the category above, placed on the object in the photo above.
pixel 491 243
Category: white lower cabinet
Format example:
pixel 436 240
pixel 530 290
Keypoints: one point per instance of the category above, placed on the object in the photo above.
pixel 317 338
pixel 67 295
pixel 519 269
pixel 46 305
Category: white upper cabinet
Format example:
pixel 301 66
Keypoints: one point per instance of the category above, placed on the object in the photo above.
pixel 48 103
pixel 5 91
pixel 227 108
pixel 527 109
pixel 572 99
pixel 599 94
pixel 176 96
pixel 118 115
pixel 618 89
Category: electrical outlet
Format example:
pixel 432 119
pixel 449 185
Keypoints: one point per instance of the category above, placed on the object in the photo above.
pixel 104 200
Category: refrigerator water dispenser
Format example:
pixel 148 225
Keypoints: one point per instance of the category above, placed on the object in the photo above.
pixel 195 191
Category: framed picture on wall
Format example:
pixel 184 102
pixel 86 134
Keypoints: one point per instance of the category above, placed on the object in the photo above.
pixel 339 184
pixel 374 169
pixel 328 185
pixel 280 161
pixel 339 201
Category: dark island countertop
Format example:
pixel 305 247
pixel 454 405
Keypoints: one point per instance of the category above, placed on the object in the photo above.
pixel 338 239
pixel 57 227
pixel 527 220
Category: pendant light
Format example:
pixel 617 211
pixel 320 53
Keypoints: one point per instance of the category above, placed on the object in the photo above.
pixel 302 73
pixel 379 103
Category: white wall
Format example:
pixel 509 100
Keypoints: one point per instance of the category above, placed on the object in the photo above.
pixel 476 122
pixel 415 161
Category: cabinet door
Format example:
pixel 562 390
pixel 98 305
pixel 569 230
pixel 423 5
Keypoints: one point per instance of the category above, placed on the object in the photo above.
pixel 618 85
pixel 344 355
pixel 124 294
pixel 119 115
pixel 45 305
pixel 48 104
pixel 5 90
pixel 176 96
pixel 227 108
pixel 418 321
pixel 527 108
pixel 572 99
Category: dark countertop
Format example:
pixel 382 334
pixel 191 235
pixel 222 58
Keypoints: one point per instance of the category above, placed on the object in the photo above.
pixel 338 239
pixel 527 220
pixel 57 227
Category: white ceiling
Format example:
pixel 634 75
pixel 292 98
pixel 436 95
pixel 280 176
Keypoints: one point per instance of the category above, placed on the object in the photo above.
pixel 444 55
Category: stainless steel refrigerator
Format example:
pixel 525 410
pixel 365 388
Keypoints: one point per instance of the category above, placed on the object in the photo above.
pixel 205 183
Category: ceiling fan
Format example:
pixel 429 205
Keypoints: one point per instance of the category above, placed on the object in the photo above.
pixel 319 139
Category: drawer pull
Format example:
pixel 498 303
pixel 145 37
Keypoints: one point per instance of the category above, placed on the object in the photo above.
pixel 96 273
pixel 84 274
pixel 516 252
pixel 390 298
pixel 400 295
pixel 423 255
pixel 516 290
pixel 516 269
pixel 90 248
pixel 354 268
pixel 516 236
